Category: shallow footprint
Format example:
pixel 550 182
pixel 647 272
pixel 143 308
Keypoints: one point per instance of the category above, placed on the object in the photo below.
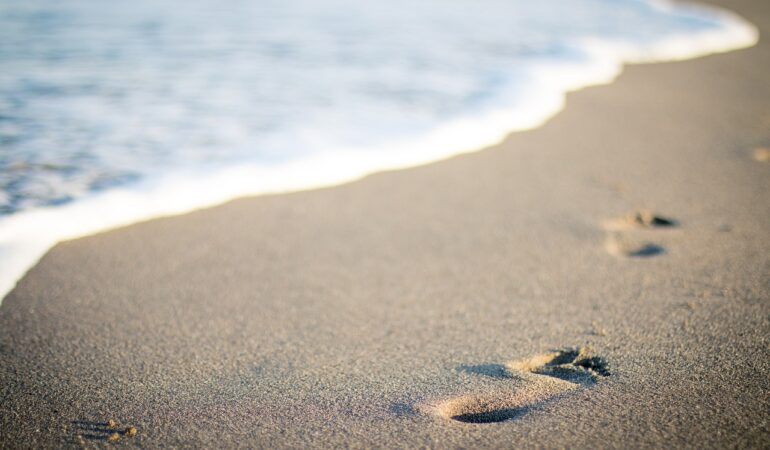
pixel 544 376
pixel 625 247
pixel 624 233
pixel 640 219
pixel 576 365
pixel 500 405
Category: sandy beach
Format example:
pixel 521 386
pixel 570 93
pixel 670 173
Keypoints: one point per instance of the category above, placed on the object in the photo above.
pixel 602 281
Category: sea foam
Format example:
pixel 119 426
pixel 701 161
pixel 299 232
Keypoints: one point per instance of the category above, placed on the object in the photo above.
pixel 535 93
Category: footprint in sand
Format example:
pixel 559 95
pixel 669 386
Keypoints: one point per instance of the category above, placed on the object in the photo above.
pixel 619 245
pixel 543 377
pixel 625 235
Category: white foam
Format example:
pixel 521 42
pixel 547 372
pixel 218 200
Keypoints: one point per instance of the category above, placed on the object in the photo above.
pixel 26 236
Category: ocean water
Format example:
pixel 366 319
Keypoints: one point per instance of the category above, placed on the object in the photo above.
pixel 115 112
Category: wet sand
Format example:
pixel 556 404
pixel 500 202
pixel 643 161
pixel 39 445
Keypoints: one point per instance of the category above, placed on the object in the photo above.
pixel 601 281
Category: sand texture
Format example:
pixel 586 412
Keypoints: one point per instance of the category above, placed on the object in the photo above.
pixel 603 281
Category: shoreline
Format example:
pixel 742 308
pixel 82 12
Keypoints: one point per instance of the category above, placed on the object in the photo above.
pixel 25 236
pixel 373 313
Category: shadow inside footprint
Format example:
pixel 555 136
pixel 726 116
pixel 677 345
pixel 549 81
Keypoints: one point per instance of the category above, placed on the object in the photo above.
pixel 640 219
pixel 595 364
pixel 487 370
pixel 648 219
pixel 500 415
pixel 485 407
pixel 616 245
pixel 570 364
pixel 646 250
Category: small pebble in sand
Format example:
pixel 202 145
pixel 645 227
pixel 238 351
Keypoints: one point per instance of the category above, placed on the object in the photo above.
pixel 113 437
pixel 131 431
pixel 112 424
pixel 762 154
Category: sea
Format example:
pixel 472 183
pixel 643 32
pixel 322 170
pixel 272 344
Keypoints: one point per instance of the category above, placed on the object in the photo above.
pixel 114 112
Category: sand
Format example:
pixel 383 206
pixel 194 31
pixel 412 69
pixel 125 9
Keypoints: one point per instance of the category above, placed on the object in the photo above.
pixel 403 309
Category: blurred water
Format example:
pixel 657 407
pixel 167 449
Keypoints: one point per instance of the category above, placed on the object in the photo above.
pixel 117 111
pixel 98 94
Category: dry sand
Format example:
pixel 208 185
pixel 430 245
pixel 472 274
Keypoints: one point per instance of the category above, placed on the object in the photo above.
pixel 370 314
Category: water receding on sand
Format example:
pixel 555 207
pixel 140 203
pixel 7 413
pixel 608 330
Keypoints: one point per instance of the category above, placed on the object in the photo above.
pixel 115 112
